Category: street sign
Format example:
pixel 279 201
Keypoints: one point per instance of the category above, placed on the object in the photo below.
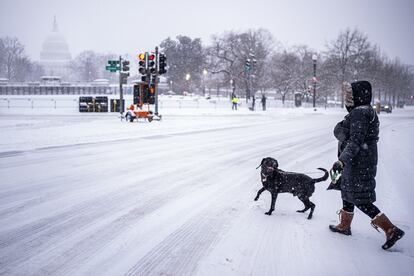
pixel 113 66
pixel 113 62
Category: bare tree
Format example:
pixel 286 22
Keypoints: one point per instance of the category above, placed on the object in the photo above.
pixel 229 52
pixel 224 57
pixel 285 73
pixel 304 66
pixel 346 54
pixel 12 52
pixel 90 65
pixel 84 67
pixel 14 64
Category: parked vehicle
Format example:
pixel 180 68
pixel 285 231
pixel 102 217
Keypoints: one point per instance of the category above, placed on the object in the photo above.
pixel 386 107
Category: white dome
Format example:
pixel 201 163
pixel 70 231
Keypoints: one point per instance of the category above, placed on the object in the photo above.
pixel 54 47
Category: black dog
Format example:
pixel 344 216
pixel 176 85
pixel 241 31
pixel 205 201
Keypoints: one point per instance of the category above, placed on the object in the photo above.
pixel 277 181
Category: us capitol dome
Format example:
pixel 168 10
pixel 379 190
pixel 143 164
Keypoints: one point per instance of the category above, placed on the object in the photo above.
pixel 55 56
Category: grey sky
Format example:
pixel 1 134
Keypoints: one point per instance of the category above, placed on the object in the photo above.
pixel 97 24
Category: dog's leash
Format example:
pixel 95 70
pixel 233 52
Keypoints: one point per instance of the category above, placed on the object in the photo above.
pixel 301 172
pixel 311 172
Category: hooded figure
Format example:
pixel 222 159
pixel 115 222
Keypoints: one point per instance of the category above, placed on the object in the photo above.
pixel 358 136
pixel 357 161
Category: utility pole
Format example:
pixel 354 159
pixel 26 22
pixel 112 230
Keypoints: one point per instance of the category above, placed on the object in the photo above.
pixel 121 93
pixel 314 58
pixel 249 67
pixel 156 79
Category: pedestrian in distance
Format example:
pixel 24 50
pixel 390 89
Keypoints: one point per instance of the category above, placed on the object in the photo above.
pixel 235 102
pixel 357 163
pixel 263 101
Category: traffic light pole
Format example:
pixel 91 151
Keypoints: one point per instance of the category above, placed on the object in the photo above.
pixel 314 83
pixel 156 80
pixel 121 93
pixel 248 87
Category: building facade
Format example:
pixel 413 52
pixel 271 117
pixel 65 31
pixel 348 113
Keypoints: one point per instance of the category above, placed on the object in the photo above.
pixel 55 56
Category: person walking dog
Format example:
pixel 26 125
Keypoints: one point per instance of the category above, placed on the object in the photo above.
pixel 357 163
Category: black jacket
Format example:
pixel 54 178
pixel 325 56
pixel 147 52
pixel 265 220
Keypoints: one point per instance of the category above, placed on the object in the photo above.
pixel 357 149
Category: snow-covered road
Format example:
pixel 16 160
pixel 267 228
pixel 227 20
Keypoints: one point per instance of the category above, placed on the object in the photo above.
pixel 88 195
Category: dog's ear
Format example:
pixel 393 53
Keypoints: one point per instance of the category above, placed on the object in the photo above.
pixel 261 163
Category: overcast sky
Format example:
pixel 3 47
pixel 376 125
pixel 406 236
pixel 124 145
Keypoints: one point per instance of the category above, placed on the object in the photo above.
pixel 132 26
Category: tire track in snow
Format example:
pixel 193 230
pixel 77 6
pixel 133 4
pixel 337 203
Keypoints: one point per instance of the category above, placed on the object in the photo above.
pixel 87 247
pixel 15 195
pixel 69 260
pixel 181 251
pixel 52 228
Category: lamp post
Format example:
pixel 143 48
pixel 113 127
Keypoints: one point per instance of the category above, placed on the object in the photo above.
pixel 187 78
pixel 314 58
pixel 233 87
pixel 204 82
pixel 171 85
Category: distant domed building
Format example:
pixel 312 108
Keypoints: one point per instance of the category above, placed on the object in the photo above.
pixel 55 56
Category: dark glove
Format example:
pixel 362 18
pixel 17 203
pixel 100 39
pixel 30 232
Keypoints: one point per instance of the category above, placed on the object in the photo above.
pixel 338 167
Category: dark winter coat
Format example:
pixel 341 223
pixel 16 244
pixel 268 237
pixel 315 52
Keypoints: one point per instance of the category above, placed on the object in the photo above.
pixel 357 149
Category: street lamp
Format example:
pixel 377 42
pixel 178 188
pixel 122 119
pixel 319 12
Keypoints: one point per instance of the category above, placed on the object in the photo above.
pixel 187 78
pixel 204 82
pixel 314 58
pixel 233 87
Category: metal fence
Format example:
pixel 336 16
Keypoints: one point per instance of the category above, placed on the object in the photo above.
pixel 170 102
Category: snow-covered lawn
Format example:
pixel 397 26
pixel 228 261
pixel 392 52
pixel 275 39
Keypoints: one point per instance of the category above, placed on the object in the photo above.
pixel 87 194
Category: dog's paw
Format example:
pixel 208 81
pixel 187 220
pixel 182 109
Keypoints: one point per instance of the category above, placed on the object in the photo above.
pixel 268 213
pixel 300 211
pixel 256 198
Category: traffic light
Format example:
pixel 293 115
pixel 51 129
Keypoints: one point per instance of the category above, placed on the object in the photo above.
pixel 125 66
pixel 151 63
pixel 137 96
pixel 124 77
pixel 151 96
pixel 162 64
pixel 125 72
pixel 145 94
pixel 154 79
pixel 248 65
pixel 142 63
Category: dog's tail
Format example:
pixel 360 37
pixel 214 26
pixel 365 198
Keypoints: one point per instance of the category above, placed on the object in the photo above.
pixel 324 177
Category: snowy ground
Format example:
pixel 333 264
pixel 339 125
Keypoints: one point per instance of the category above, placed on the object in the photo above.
pixel 86 194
